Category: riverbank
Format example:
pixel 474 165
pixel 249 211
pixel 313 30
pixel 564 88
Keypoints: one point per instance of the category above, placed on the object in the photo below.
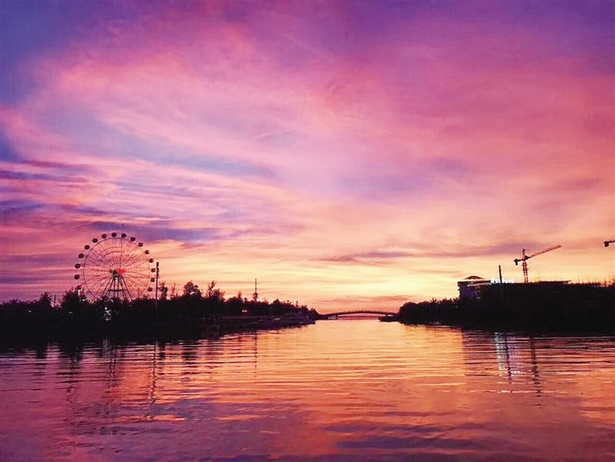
pixel 546 307
pixel 538 307
pixel 144 320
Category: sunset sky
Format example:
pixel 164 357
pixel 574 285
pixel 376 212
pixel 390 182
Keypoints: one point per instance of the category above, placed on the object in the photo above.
pixel 346 154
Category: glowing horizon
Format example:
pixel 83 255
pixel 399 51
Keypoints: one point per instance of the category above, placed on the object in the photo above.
pixel 364 154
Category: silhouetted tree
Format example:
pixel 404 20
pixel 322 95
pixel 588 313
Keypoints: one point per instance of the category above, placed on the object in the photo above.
pixel 173 291
pixel 45 301
pixel 72 301
pixel 163 291
pixel 236 305
pixel 213 293
pixel 191 290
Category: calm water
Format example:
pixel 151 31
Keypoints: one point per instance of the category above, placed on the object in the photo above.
pixel 337 390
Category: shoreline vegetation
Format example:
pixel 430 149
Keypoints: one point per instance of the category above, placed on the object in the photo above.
pixel 194 314
pixel 542 307
pixel 534 307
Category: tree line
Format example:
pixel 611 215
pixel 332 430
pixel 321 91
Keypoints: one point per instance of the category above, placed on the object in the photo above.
pixel 192 313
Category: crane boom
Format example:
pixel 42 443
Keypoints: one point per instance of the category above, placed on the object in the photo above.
pixel 544 251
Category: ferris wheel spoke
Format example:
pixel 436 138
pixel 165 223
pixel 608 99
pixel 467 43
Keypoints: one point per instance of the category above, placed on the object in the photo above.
pixel 95 277
pixel 97 286
pixel 132 260
pixel 132 282
pixel 134 279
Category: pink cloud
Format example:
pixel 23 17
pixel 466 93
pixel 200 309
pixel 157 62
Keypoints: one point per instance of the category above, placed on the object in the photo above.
pixel 282 156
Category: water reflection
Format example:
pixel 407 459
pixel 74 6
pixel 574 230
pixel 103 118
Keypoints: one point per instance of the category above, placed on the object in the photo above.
pixel 511 362
pixel 338 390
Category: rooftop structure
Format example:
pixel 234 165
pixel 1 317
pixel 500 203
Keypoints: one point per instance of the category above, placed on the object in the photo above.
pixel 470 287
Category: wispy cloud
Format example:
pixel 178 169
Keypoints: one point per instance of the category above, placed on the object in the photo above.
pixel 334 150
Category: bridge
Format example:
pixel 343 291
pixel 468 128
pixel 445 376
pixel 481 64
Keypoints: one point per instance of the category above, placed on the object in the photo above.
pixel 350 313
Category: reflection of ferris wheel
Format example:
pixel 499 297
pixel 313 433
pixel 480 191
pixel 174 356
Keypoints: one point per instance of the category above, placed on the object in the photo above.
pixel 115 266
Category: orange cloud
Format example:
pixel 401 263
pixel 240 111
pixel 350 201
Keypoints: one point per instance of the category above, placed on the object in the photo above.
pixel 382 165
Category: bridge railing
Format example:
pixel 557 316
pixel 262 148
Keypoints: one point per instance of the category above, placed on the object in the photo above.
pixel 352 312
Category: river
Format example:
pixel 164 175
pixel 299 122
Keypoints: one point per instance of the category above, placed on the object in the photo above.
pixel 334 391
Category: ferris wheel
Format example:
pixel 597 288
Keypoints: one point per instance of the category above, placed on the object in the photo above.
pixel 115 266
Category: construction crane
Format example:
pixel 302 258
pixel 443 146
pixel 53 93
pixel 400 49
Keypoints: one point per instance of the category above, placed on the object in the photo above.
pixel 606 243
pixel 524 258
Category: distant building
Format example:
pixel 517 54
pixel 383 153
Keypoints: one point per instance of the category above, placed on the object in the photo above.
pixel 470 287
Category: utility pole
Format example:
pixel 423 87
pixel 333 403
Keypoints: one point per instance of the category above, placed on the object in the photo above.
pixel 156 290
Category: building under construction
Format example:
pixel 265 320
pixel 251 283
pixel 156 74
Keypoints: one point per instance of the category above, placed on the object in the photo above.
pixel 537 306
pixel 546 304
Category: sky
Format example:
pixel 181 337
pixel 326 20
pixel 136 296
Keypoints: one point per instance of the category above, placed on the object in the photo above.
pixel 346 154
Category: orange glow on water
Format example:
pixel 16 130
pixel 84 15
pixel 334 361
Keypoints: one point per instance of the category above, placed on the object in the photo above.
pixel 334 389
